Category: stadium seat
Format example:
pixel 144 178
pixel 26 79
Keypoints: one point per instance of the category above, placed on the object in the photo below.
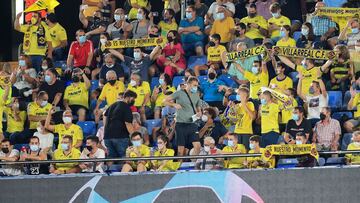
pixel 186 166
pixel 287 163
pixel 196 60
pixel 339 115
pixel 150 124
pixel 154 82
pixel 232 97
pixel 94 85
pixel 346 140
pixel 335 161
pixel 60 64
pixel 321 161
pixel 227 79
pixel 297 35
pixel 88 128
pixel 335 100
pixel 177 80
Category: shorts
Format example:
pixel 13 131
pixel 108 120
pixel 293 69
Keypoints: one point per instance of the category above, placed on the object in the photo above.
pixel 186 134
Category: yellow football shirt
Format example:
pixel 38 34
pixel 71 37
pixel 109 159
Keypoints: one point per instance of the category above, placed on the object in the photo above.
pixel 270 118
pixel 12 124
pixel 34 109
pixel 2 103
pixel 170 165
pixel 166 27
pixel 256 82
pixel 290 42
pixel 356 103
pixel 141 91
pixel 161 96
pixel 279 22
pixel 244 122
pixel 354 158
pixel 237 162
pixel 77 95
pixel 74 131
pixel 30 42
pixel 89 11
pixel 110 93
pixel 309 75
pixel 59 155
pixel 214 53
pixel 282 85
pixel 251 159
pixel 254 33
pixel 57 34
pixel 286 113
pixel 133 12
pixel 144 152
pixel 223 29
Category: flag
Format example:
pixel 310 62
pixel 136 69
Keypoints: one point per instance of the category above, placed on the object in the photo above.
pixel 42 5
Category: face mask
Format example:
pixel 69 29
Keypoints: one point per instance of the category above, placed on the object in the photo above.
pixel 5 150
pixel 64 147
pixel 295 117
pixel 137 56
pixel 322 116
pixel 161 81
pixel 160 146
pixel 133 83
pixel 357 48
pixel 82 39
pixel 298 142
pixel 75 78
pixel 44 67
pixel 112 82
pixel 251 15
pixel 16 105
pixel 103 41
pixel 193 90
pixel 153 35
pixel 33 20
pixel 109 65
pixel 132 103
pixel 211 43
pixel 225 142
pixel 34 148
pixel 136 143
pixel 304 32
pixel 67 120
pixel 255 70
pixel 304 64
pixel 354 30
pixel 263 101
pixel 43 103
pixel 230 143
pixel 251 146
pixel 311 90
pixel 220 16
pixel 275 15
pixel 47 78
pixel 39 129
pixel 212 76
pixel 237 33
pixel 117 18
pixel 238 98
pixel 282 33
pixel 188 15
pixel 204 118
pixel 139 16
pixel 170 39
pixel 207 148
pixel 22 63
pixel 89 148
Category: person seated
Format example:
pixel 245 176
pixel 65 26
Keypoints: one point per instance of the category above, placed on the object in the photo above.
pixel 213 89
pixel 297 124
pixel 354 36
pixel 93 26
pixel 91 151
pixel 164 150
pixel 54 87
pixel 141 23
pixel 46 138
pixel 158 94
pixel 209 149
pixel 241 35
pixel 168 23
pixel 223 25
pixel 76 94
pixel 119 29
pixel 285 37
pixel 353 159
pixel 304 160
pixel 65 152
pixel 65 129
pixel 307 36
pixel 15 119
pixel 354 123
pixel 257 162
pixel 276 22
pixel 234 148
pixel 256 24
pixel 35 153
pixel 110 64
pixel 9 154
pixel 139 128
pixel 137 149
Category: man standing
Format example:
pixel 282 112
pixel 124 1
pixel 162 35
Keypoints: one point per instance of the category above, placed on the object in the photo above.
pixel 58 37
pixel 188 111
pixel 118 125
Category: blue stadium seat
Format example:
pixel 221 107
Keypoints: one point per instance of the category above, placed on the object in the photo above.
pixel 154 82
pixel 60 64
pixel 227 79
pixel 287 163
pixel 335 161
pixel 297 35
pixel 335 100
pixel 177 80
pixel 346 140
pixel 186 166
pixel 339 115
pixel 88 128
pixel 150 124
pixel 196 60
pixel 321 161
pixel 232 97
pixel 94 85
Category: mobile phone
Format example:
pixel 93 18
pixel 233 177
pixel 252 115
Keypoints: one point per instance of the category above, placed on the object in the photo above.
pixel 155 14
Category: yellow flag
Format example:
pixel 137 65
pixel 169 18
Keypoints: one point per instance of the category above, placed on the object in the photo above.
pixel 42 5
pixel 338 12
pixel 130 43
pixel 290 150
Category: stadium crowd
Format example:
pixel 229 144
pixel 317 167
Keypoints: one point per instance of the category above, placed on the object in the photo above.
pixel 79 101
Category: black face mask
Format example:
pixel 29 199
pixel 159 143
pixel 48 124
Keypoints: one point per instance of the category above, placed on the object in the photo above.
pixel 322 116
pixel 152 35
pixel 251 15
pixel 211 43
pixel 75 78
pixel 237 33
pixel 90 148
pixel 131 103
pixel 112 82
pixel 96 18
pixel 170 39
pixel 211 76
pixel 5 150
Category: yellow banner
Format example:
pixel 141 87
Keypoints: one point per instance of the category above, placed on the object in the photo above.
pixel 290 150
pixel 338 12
pixel 304 53
pixel 42 5
pixel 278 95
pixel 255 51
pixel 130 43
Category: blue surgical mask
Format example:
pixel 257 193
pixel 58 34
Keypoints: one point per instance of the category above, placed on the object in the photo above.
pixel 161 81
pixel 139 16
pixel 230 143
pixel 354 30
pixel 304 32
pixel 225 142
pixel 194 90
pixel 64 146
pixel 188 15
pixel 275 15
pixel 22 63
pixel 251 146
pixel 220 16
pixel 47 78
pixel 263 101
pixel 311 90
pixel 298 141
pixel 137 56
pixel 43 103
pixel 34 148
pixel 237 97
pixel 295 117
pixel 82 39
pixel 136 143
pixel 255 70
pixel 282 33
pixel 117 17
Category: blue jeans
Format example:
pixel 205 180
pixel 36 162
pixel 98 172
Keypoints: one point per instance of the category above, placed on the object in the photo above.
pixel 269 138
pixel 36 61
pixel 117 147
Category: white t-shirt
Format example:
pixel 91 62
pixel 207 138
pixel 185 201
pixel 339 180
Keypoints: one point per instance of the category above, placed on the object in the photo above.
pixel 21 83
pixel 11 170
pixel 315 104
pixel 99 154
pixel 228 5
pixel 46 140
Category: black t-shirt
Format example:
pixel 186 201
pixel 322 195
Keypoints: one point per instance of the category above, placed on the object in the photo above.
pixel 117 68
pixel 215 131
pixel 52 90
pixel 117 114
pixel 292 128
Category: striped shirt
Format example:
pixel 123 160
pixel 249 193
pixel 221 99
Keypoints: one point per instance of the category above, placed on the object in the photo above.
pixel 321 25
pixel 326 132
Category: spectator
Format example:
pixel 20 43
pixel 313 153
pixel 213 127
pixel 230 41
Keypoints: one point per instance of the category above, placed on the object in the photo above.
pixel 58 37
pixel 37 40
pixel 188 110
pixel 46 138
pixel 143 92
pixel 159 92
pixel 304 160
pixel 352 37
pixel 37 111
pixel 15 118
pixel 66 129
pixel 229 8
pixel 136 5
pixel 281 82
pixel 209 149
pixel 8 153
pixel 307 37
pixel 351 124
pixel 139 128
pixel 214 54
pixel 90 6
pixel 353 159
pixel 118 125
pixel 80 53
pixel 276 22
pixel 262 8
pixel 257 162
pixel 285 37
pixel 35 153
pixel 65 152
pixel 76 95
pixel 191 30
pixel 54 87
pixel 46 64
pixel 201 8
pixel 316 99
pixel 172 59
pixel 120 29
pixel 164 150
pixel 223 25
pixel 140 26
pixel 91 151
pixel 241 36
pixel 256 25
pixel 298 124
pixel 212 128
pixel 110 64
pixel 168 23
pixel 323 26
pixel 213 89
pixel 269 115
pixel 287 108
pixel 93 27
pixel 327 132
pixel 234 148
pixel 136 150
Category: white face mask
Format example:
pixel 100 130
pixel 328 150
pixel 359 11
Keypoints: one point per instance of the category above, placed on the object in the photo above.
pixel 39 130
pixel 357 48
pixel 207 148
pixel 160 146
pixel 204 118
pixel 67 120
pixel 44 67
pixel 133 83
pixel 103 41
